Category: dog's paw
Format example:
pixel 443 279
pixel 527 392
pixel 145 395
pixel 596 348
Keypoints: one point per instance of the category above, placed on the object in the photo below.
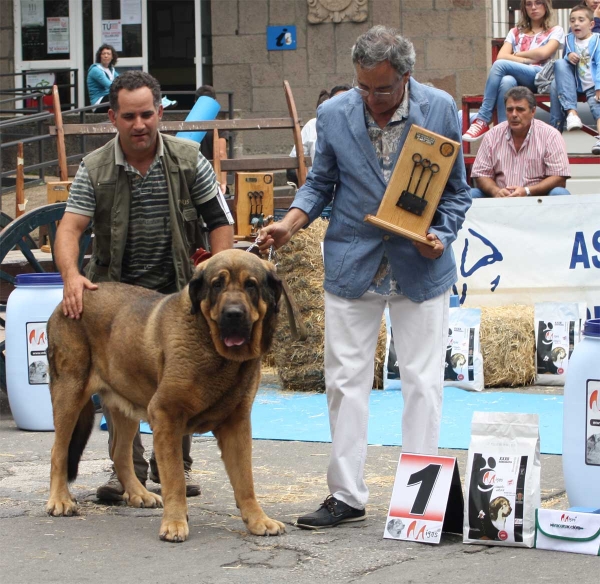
pixel 61 507
pixel 266 526
pixel 175 531
pixel 143 499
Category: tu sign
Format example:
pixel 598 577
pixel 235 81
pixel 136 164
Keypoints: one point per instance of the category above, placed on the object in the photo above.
pixel 427 499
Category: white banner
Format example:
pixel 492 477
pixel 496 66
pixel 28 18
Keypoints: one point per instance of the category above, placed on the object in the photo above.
pixel 530 249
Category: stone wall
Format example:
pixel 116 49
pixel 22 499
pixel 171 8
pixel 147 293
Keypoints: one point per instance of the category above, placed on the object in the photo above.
pixel 7 45
pixel 451 39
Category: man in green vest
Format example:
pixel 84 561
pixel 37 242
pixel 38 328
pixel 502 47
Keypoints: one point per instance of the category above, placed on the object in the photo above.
pixel 144 193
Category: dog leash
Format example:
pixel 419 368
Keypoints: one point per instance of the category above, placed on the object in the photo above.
pixel 298 329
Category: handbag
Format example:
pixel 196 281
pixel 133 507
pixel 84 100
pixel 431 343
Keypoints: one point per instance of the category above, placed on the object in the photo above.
pixel 544 78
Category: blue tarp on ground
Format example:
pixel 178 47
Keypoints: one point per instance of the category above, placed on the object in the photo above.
pixel 281 415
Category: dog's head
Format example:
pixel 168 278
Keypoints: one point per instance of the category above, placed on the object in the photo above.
pixel 499 508
pixel 238 295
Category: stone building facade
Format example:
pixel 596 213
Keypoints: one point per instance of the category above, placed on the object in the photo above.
pixel 451 39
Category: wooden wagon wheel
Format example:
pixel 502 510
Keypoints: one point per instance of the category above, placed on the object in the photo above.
pixel 17 235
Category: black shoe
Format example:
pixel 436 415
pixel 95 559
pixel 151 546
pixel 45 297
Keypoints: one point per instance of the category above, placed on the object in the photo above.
pixel 331 513
pixel 192 489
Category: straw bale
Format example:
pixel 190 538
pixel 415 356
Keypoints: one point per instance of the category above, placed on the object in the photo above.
pixel 508 345
pixel 300 363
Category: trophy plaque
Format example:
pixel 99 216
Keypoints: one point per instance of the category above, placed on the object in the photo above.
pixel 253 202
pixel 416 185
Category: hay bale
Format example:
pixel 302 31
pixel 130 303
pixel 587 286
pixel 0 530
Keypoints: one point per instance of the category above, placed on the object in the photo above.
pixel 300 363
pixel 508 345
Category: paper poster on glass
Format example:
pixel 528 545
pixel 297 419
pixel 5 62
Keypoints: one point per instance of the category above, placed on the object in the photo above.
pixel 57 28
pixel 32 12
pixel 131 11
pixel 112 34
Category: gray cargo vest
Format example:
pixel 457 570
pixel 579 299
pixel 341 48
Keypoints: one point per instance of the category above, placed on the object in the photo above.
pixel 113 200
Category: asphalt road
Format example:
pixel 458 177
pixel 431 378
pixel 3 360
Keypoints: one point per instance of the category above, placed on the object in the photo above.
pixel 121 544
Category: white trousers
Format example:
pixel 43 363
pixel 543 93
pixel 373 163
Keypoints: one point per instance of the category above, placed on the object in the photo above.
pixel 351 332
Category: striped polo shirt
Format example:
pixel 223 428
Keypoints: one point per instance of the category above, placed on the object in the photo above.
pixel 148 258
pixel 542 154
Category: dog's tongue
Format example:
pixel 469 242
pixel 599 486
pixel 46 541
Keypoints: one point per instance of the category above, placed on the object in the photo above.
pixel 234 341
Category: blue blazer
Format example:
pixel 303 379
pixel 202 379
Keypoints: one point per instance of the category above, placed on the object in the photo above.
pixel 345 160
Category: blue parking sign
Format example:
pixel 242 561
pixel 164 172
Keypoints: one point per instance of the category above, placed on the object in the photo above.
pixel 281 38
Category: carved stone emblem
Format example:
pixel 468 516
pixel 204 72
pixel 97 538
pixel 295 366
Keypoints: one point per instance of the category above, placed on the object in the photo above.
pixel 337 11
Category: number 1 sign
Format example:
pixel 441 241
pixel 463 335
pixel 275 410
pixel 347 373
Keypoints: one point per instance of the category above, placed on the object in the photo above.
pixel 424 489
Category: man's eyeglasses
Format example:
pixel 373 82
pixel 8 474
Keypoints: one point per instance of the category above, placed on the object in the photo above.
pixel 376 94
pixel 535 3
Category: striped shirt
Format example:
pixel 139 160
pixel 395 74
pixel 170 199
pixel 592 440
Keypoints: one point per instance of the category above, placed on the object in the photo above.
pixel 542 154
pixel 148 258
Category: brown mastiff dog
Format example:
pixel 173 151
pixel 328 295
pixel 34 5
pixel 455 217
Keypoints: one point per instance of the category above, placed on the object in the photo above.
pixel 186 362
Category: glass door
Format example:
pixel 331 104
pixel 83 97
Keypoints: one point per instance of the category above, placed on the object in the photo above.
pixel 121 24
pixel 47 44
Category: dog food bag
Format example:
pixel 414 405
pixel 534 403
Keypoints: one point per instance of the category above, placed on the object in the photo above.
pixel 558 330
pixel 464 363
pixel 391 370
pixel 502 479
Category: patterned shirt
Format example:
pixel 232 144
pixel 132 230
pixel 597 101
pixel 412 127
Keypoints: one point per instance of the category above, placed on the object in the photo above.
pixel 386 142
pixel 522 42
pixel 148 258
pixel 584 70
pixel 542 154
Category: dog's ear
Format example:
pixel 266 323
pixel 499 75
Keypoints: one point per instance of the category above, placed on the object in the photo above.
pixel 197 290
pixel 275 287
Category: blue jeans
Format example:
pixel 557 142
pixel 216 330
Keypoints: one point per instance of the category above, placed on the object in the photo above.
pixel 479 194
pixel 563 94
pixel 503 76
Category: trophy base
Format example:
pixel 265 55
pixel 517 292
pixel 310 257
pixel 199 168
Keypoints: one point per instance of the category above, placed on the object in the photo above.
pixel 373 220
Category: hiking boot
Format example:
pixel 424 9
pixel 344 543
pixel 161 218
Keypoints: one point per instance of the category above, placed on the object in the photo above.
pixel 192 489
pixel 477 129
pixel 596 146
pixel 332 512
pixel 112 490
pixel 573 122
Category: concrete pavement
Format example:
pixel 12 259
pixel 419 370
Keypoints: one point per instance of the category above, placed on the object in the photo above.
pixel 120 544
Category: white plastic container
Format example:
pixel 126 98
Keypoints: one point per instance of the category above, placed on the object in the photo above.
pixel 28 309
pixel 581 421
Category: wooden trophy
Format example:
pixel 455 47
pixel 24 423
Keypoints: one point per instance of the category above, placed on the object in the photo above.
pixel 417 184
pixel 253 202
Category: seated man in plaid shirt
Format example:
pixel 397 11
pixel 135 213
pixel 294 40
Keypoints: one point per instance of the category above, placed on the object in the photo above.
pixel 522 156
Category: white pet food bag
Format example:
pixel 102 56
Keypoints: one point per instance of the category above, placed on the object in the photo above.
pixel 502 479
pixel 464 363
pixel 558 330
pixel 391 370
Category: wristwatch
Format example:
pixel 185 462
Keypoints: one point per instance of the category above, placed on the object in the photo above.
pixel 527 191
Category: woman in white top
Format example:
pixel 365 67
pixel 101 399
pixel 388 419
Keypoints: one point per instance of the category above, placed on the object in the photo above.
pixel 101 74
pixel 528 46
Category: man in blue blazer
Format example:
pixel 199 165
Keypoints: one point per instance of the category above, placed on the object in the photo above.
pixel 360 136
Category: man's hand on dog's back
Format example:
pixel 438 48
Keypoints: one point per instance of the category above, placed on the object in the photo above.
pixel 66 253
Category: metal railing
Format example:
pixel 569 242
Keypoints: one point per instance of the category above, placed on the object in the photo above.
pixel 27 93
pixel 40 118
pixel 40 138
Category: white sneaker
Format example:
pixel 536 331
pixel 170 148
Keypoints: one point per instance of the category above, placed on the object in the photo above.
pixel 596 146
pixel 573 122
